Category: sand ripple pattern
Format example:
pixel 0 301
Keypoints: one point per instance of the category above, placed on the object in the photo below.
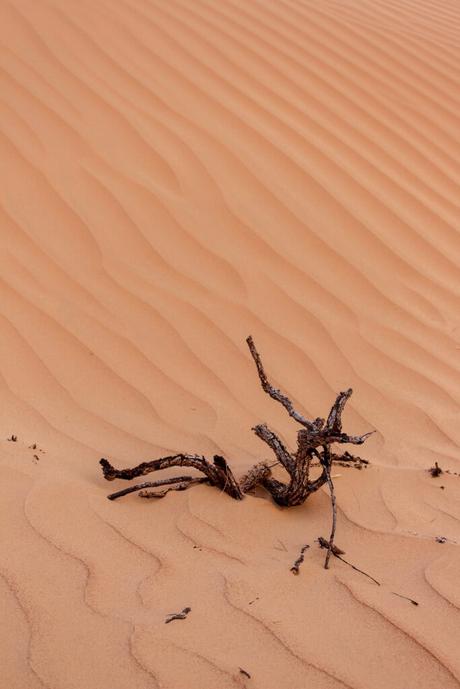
pixel 177 175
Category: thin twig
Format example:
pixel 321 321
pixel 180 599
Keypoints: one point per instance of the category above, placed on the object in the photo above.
pixel 357 569
pixel 411 600
pixel 338 554
pixel 153 484
pixel 324 543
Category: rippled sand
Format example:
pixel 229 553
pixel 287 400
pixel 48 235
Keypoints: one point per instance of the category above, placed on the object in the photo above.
pixel 177 175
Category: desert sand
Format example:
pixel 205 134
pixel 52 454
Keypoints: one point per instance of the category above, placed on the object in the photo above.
pixel 176 176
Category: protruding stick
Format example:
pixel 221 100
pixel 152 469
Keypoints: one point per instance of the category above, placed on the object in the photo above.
pixel 326 462
pixel 273 392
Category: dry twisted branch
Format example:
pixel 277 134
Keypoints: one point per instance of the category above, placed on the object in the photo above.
pixel 217 474
pixel 313 440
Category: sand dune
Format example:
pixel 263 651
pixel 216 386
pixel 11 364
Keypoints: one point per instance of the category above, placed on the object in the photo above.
pixel 177 175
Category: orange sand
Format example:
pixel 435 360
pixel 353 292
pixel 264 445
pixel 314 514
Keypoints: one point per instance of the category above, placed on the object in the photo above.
pixel 177 175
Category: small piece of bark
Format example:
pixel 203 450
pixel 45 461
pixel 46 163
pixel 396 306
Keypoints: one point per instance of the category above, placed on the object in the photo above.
pixel 296 566
pixel 178 615
pixel 435 470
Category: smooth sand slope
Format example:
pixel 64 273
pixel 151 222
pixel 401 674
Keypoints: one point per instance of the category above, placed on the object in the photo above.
pixel 175 176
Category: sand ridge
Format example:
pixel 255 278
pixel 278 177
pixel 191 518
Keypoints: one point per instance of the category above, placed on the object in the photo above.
pixel 177 176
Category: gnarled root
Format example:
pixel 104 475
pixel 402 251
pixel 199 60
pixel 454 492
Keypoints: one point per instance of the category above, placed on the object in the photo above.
pixel 314 440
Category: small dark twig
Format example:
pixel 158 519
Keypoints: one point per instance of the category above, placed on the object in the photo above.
pixel 411 600
pixel 296 566
pixel 178 615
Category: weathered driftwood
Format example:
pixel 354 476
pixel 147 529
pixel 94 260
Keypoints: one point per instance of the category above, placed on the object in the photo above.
pixel 314 440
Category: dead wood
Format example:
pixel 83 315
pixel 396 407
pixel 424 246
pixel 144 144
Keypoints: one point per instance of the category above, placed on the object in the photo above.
pixel 182 481
pixel 435 470
pixel 327 465
pixel 411 600
pixel 335 550
pixel 217 474
pixel 177 615
pixel 314 440
pixel 296 566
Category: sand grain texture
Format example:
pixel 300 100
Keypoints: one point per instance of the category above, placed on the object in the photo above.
pixel 175 176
